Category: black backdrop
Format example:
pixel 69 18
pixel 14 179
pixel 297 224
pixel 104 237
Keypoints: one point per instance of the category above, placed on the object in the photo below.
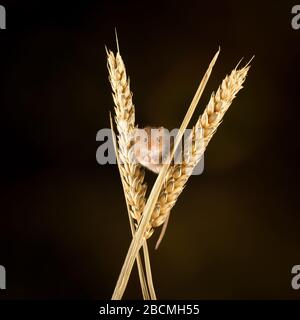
pixel 234 232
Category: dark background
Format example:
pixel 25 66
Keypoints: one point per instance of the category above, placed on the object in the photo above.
pixel 234 232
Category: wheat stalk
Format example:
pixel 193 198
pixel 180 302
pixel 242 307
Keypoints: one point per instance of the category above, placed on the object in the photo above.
pixel 132 174
pixel 144 287
pixel 207 124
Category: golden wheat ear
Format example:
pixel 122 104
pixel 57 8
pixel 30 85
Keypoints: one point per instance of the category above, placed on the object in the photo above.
pixel 132 174
pixel 208 123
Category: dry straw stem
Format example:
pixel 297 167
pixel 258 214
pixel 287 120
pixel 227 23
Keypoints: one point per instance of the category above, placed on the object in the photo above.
pixel 143 226
pixel 143 281
pixel 208 123
pixel 132 174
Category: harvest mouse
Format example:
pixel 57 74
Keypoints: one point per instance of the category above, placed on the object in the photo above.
pixel 152 147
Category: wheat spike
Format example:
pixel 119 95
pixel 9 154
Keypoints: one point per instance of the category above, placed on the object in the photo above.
pixel 132 172
pixel 207 124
